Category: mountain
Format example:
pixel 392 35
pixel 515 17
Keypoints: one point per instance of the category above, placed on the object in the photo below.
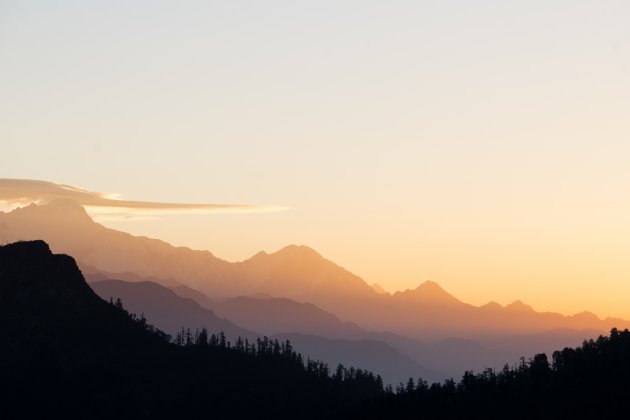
pixel 190 293
pixel 282 315
pixel 298 273
pixel 63 350
pixel 66 352
pixel 166 309
pixel 378 289
pixel 277 317
pixel 427 293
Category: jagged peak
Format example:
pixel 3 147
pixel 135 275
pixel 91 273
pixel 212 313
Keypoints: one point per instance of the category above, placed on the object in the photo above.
pixel 428 291
pixel 492 305
pixel 59 209
pixel 519 306
pixel 31 268
pixel 301 250
pixel 586 315
pixel 430 285
pixel 379 289
pixel 289 251
pixel 37 247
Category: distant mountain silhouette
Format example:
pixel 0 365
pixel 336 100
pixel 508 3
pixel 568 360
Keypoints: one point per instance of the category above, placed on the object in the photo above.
pixel 295 272
pixel 378 289
pixel 92 275
pixel 66 353
pixel 167 310
pixel 283 317
pixel 278 317
pixel 373 355
pixel 428 293
pixel 190 293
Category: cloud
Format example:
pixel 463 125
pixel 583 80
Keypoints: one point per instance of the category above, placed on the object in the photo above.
pixel 17 192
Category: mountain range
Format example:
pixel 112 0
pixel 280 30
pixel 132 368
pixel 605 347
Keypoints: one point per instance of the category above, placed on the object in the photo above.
pixel 313 332
pixel 297 292
pixel 294 272
pixel 66 353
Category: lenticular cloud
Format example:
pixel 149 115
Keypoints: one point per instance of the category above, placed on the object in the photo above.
pixel 14 192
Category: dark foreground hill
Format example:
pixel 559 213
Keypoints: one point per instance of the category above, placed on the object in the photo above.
pixel 587 382
pixel 64 352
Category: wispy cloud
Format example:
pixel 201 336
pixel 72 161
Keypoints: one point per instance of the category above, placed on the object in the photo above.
pixel 17 192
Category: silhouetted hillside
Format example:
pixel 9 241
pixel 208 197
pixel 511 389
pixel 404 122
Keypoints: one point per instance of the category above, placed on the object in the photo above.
pixel 588 382
pixel 64 352
pixel 279 317
pixel 166 309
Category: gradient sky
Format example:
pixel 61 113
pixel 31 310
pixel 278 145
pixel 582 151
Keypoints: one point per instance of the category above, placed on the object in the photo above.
pixel 484 145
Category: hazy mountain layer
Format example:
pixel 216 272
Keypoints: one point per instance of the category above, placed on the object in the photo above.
pixel 170 312
pixel 295 272
pixel 167 310
pixel 373 355
pixel 319 333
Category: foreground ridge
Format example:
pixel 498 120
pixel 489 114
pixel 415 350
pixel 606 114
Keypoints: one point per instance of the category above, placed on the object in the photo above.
pixel 65 351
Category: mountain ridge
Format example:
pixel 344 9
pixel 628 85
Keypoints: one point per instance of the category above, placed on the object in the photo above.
pixel 295 272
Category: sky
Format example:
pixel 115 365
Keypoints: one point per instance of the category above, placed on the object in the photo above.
pixel 482 145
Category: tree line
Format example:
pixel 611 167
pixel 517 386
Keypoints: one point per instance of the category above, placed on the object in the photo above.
pixel 360 381
pixel 593 378
pixel 590 381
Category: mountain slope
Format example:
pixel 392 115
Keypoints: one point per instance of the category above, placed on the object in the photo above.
pixel 166 309
pixel 373 355
pixel 278 317
pixel 295 272
pixel 65 352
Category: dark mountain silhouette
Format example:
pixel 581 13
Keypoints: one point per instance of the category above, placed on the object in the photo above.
pixel 167 310
pixel 65 352
pixel 427 313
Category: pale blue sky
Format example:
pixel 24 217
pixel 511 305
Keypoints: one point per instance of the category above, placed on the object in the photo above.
pixel 482 143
